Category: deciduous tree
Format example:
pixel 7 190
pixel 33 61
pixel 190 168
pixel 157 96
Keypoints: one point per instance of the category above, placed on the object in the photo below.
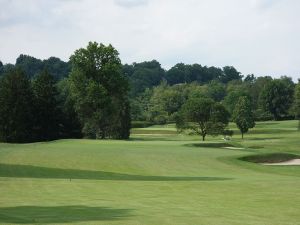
pixel 243 116
pixel 99 91
pixel 203 116
pixel 277 97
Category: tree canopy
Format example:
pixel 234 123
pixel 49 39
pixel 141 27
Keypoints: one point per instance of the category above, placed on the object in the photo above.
pixel 47 113
pixel 32 66
pixel 243 115
pixel 277 97
pixel 16 100
pixel 143 75
pixel 95 96
pixel 99 92
pixel 203 116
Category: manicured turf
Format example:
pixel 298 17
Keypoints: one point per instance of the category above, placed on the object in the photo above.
pixel 157 177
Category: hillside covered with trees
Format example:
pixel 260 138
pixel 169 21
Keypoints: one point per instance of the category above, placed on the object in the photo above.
pixel 94 96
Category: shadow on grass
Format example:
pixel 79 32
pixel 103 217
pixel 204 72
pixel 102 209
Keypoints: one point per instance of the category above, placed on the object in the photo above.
pixel 255 147
pixel 59 214
pixel 270 131
pixel 153 138
pixel 267 123
pixel 263 138
pixel 153 132
pixel 210 145
pixel 28 171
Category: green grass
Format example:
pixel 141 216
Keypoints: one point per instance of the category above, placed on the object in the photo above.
pixel 157 177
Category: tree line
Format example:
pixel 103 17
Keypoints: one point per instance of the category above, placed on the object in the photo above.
pixel 32 66
pixel 92 102
pixel 242 101
pixel 93 95
pixel 269 98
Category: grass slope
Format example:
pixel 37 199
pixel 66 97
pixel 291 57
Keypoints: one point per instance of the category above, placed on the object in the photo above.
pixel 157 177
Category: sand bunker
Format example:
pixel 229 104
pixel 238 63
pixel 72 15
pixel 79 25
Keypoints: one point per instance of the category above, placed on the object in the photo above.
pixel 293 162
pixel 234 148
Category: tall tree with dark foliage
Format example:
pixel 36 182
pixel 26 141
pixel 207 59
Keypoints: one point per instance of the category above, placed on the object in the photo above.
pixel 46 107
pixel 16 101
pixel 100 92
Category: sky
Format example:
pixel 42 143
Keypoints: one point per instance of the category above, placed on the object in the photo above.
pixel 255 36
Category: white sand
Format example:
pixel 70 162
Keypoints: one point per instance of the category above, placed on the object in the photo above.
pixel 234 148
pixel 293 162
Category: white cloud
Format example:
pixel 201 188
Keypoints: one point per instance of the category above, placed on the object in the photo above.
pixel 265 4
pixel 131 3
pixel 256 36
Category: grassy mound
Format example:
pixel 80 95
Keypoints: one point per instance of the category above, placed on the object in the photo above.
pixel 270 158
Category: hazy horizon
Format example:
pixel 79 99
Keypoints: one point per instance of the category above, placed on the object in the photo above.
pixel 254 36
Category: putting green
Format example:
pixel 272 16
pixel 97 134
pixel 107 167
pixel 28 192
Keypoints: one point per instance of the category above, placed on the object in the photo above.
pixel 157 178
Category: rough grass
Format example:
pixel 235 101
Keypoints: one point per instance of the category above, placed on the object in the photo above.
pixel 152 179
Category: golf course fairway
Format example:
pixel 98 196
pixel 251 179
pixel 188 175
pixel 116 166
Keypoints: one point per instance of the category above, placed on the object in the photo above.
pixel 157 177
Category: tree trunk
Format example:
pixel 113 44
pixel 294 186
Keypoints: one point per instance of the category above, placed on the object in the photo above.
pixel 276 117
pixel 203 137
pixel 242 135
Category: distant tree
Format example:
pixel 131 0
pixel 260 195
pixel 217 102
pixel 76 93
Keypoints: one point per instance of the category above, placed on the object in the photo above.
pixel 47 113
pixel 99 91
pixel 140 105
pixel 16 100
pixel 277 97
pixel 183 73
pixel 250 78
pixel 203 116
pixel 194 73
pixel 1 68
pixel 7 68
pixel 212 73
pixel 156 110
pixel 57 68
pixel 165 101
pixel 30 65
pixel 173 100
pixel 254 89
pixel 229 74
pixel 33 66
pixel 177 74
pixel 232 98
pixel 143 75
pixel 216 90
pixel 243 116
